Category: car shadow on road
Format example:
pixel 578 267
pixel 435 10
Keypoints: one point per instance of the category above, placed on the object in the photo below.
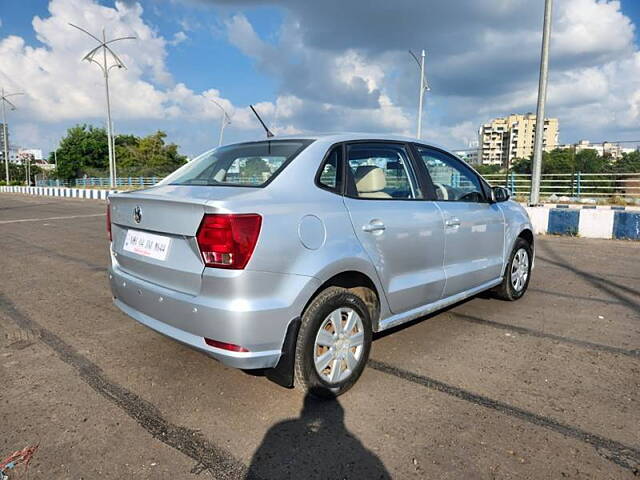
pixel 317 444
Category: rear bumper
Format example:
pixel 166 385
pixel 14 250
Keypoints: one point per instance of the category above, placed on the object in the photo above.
pixel 247 308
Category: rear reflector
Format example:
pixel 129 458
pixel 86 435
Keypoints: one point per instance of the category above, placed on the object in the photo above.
pixel 224 346
pixel 228 240
pixel 109 220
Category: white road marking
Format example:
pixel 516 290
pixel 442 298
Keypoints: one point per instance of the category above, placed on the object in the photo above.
pixel 51 218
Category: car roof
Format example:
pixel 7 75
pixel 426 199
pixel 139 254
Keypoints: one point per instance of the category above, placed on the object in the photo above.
pixel 335 137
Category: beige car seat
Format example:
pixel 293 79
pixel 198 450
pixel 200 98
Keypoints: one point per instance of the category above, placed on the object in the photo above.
pixel 370 182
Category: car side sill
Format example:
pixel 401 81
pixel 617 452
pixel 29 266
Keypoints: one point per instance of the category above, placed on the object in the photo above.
pixel 400 318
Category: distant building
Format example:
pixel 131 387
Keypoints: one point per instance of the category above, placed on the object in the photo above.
pixel 14 154
pixel 613 150
pixel 35 152
pixel 504 139
pixel 471 155
pixel 33 156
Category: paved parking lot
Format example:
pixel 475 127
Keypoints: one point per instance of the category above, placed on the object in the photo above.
pixel 547 387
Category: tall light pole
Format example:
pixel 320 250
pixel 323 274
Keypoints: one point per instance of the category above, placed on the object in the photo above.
pixel 105 67
pixel 423 86
pixel 226 120
pixel 27 173
pixel 534 197
pixel 4 100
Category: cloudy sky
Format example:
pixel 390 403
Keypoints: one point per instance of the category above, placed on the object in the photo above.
pixel 326 65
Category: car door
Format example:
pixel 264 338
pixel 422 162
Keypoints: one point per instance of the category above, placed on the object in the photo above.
pixel 402 234
pixel 474 227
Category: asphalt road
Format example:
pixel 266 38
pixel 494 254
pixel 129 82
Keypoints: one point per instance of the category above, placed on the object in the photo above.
pixel 546 387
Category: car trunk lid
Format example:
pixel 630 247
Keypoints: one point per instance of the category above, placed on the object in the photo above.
pixel 170 212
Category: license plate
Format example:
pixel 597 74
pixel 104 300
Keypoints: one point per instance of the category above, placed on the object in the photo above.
pixel 147 244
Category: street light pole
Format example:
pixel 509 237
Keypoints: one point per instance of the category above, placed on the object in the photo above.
pixel 534 197
pixel 105 67
pixel 423 86
pixel 5 135
pixel 421 95
pixel 226 120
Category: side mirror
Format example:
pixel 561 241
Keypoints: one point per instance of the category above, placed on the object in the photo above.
pixel 499 194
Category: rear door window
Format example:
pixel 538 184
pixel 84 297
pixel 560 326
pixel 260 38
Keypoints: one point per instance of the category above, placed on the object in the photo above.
pixel 381 171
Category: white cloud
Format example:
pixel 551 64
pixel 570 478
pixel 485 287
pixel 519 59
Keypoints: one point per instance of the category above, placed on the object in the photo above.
pixel 339 66
pixel 178 38
pixel 482 61
pixel 60 88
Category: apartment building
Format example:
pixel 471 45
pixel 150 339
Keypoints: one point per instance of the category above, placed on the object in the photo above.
pixel 504 139
pixel 610 149
pixel 470 155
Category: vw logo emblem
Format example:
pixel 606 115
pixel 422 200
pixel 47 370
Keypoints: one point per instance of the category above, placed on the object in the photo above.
pixel 137 214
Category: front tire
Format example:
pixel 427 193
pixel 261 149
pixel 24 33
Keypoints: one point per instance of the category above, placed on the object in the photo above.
pixel 518 272
pixel 333 343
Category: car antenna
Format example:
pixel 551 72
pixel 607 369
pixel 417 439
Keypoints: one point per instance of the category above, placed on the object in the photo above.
pixel 269 134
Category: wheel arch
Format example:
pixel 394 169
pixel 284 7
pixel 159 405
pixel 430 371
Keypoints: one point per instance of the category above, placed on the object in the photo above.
pixel 526 233
pixel 356 281
pixel 359 283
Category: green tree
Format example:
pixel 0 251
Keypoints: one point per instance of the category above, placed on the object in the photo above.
pixel 588 161
pixel 17 174
pixel 554 162
pixel 153 157
pixel 629 163
pixel 84 151
pixel 126 160
pixel 488 169
pixel 84 147
pixel 254 167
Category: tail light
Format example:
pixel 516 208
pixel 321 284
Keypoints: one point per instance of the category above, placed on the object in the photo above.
pixel 224 345
pixel 228 240
pixel 109 220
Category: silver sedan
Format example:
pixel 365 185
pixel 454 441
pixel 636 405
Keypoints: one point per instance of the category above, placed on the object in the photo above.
pixel 287 254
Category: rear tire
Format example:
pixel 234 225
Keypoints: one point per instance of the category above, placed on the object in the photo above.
pixel 333 343
pixel 517 274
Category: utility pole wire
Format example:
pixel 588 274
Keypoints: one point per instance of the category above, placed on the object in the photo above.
pixel 4 100
pixel 105 67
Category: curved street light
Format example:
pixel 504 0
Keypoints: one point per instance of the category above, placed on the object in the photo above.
pixel 226 120
pixel 105 67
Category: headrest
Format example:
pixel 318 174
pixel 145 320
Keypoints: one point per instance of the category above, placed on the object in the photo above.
pixel 370 178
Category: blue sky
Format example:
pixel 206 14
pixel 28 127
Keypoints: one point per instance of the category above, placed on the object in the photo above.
pixel 318 66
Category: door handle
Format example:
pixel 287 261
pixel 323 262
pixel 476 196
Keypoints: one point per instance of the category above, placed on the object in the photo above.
pixel 374 226
pixel 452 222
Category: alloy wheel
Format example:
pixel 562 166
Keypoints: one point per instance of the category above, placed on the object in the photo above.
pixel 519 269
pixel 338 346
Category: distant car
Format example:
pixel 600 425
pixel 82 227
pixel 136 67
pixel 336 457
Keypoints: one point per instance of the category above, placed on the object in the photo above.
pixel 288 254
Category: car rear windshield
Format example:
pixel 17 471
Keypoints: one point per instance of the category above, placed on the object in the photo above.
pixel 245 164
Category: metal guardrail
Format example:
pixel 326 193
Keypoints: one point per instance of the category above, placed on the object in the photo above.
pixel 145 181
pixel 120 181
pixel 603 185
pixel 52 183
